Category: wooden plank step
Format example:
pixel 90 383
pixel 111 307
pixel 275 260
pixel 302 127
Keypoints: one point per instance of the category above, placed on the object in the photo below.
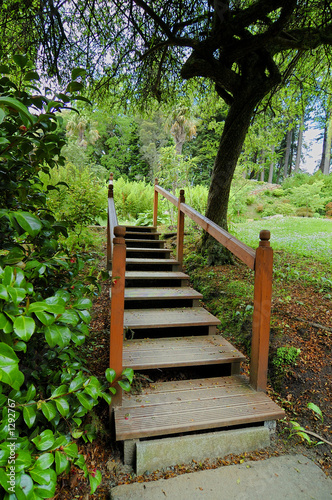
pixel 192 405
pixel 156 278
pixel 135 264
pixel 179 351
pixel 141 229
pixel 142 243
pixel 147 251
pixel 141 234
pixel 141 275
pixel 136 319
pixel 161 293
pixel 147 261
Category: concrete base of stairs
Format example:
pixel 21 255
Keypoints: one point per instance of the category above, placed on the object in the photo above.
pixel 291 477
pixel 156 454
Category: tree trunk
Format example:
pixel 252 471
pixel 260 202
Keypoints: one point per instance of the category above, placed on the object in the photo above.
pixel 231 143
pixel 289 138
pixel 270 179
pixel 327 159
pixel 299 146
pixel 322 160
pixel 262 166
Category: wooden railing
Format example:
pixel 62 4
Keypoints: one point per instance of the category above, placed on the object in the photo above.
pixel 112 221
pixel 116 260
pixel 261 261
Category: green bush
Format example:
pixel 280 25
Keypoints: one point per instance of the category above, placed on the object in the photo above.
pixel 46 392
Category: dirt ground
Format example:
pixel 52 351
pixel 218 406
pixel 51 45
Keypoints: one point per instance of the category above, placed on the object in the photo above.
pixel 301 317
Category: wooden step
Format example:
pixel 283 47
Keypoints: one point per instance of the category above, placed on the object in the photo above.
pixel 159 253
pixel 179 351
pixel 133 264
pixel 192 405
pixel 135 319
pixel 162 293
pixel 152 278
pixel 141 235
pixel 141 229
pixel 142 243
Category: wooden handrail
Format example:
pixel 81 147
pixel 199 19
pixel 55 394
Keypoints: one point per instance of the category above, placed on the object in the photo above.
pixel 239 249
pixel 112 221
pixel 117 307
pixel 260 261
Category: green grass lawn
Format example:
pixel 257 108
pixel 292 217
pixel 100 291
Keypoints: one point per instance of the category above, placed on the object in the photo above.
pixel 303 236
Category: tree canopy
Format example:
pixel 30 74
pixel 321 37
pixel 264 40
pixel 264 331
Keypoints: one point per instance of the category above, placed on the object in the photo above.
pixel 249 49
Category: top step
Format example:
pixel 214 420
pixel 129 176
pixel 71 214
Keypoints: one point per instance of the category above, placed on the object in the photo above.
pixel 140 229
pixel 134 235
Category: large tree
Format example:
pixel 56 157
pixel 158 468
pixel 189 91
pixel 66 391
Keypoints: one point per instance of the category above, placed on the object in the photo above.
pixel 247 48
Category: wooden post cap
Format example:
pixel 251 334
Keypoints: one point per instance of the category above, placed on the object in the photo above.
pixel 119 231
pixel 155 181
pixel 111 176
pixel 182 199
pixel 265 236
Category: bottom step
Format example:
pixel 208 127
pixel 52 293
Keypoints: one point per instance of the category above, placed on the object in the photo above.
pixel 190 405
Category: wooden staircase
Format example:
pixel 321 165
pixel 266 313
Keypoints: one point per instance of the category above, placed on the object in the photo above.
pixel 157 323
pixel 165 327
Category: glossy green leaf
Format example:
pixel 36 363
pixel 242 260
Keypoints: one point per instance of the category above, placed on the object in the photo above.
pixel 55 305
pixel 74 87
pixel 44 461
pixel 107 397
pixel 85 401
pixel 76 72
pixel 59 391
pixel 44 441
pixel 129 374
pixel 20 60
pixel 48 410
pixel 69 317
pixel 45 318
pixel 125 385
pixel 95 481
pixel 71 450
pixel 31 393
pixel 37 307
pixel 76 383
pixel 45 490
pixel 17 294
pixel 62 406
pixel 85 316
pixel 3 292
pixel 57 335
pixel 9 372
pixel 17 105
pixel 29 415
pixel 83 303
pixel 24 327
pixel 61 462
pixel 110 375
pixel 28 222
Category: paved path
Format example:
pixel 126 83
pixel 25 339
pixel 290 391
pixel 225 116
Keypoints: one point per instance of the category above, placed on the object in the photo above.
pixel 288 477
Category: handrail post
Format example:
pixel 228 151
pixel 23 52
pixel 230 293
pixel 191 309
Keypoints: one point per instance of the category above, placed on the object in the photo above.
pixel 117 308
pixel 109 237
pixel 180 232
pixel 155 204
pixel 262 313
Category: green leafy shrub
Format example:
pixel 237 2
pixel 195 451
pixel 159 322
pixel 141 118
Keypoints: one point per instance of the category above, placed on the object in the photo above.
pixel 285 358
pixel 45 391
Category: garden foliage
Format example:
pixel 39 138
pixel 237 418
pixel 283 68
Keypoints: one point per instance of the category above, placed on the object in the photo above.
pixel 45 391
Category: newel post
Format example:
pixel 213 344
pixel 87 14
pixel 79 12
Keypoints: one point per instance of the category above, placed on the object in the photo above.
pixel 262 313
pixel 180 233
pixel 117 307
pixel 155 204
pixel 109 242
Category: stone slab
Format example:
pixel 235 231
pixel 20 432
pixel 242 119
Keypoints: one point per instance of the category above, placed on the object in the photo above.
pixel 288 477
pixel 160 453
